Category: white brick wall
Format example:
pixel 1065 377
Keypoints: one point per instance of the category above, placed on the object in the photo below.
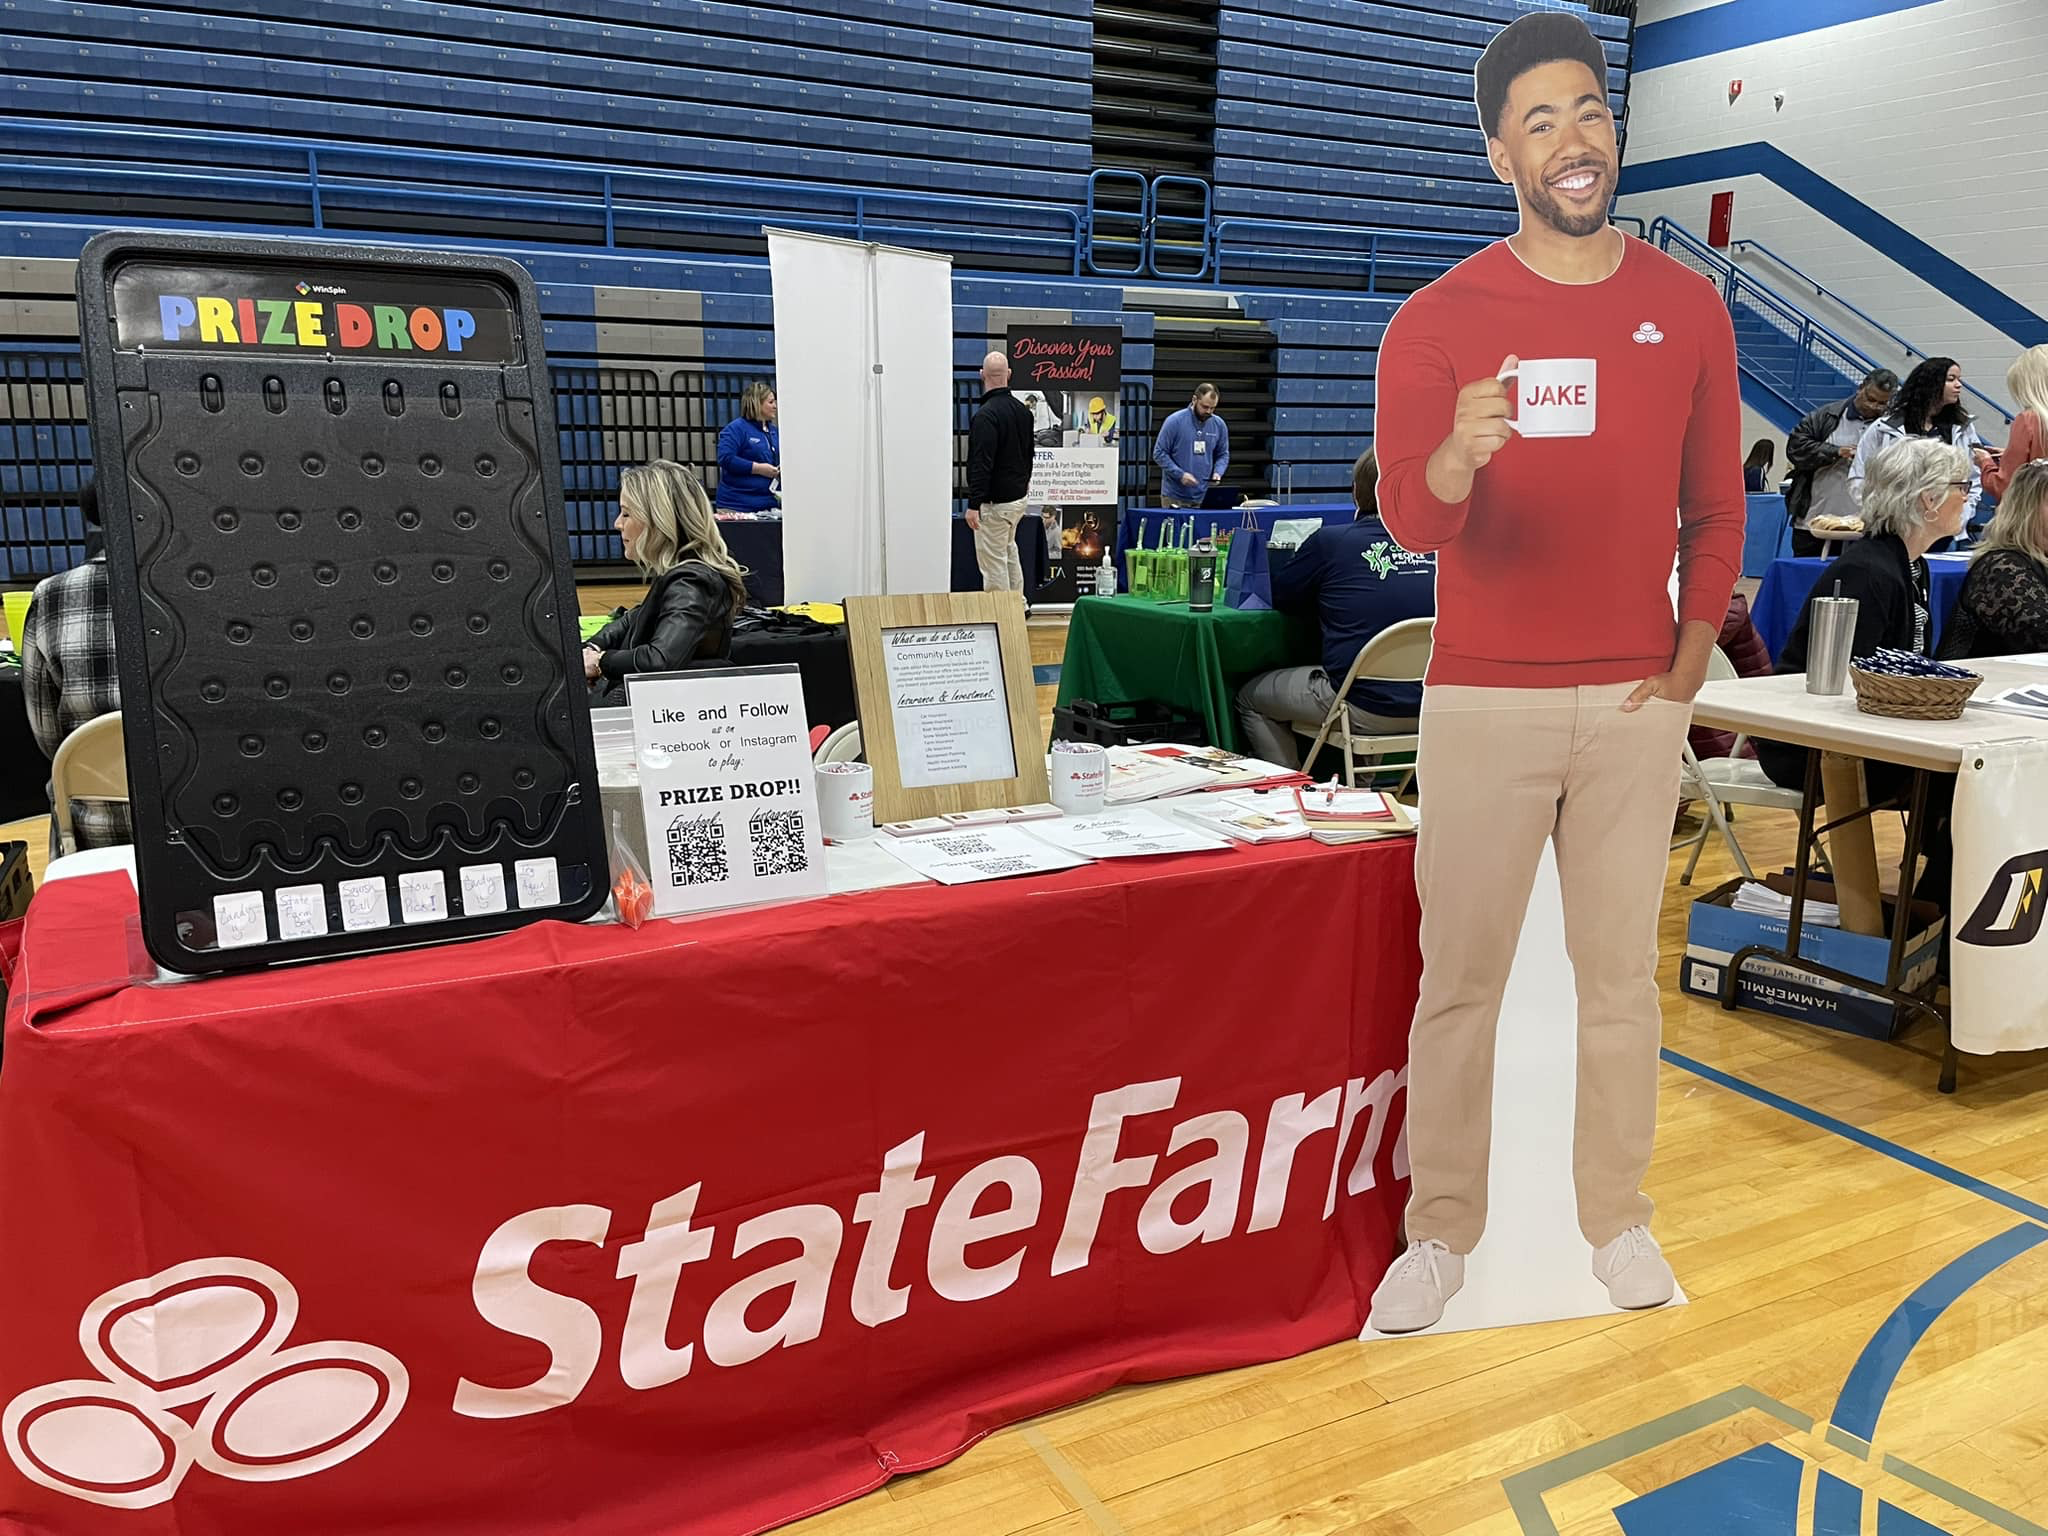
pixel 1936 117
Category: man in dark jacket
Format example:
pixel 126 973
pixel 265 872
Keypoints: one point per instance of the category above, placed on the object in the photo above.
pixel 999 458
pixel 1821 449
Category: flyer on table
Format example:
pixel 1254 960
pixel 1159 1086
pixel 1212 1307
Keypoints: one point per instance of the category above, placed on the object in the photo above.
pixel 949 704
pixel 726 788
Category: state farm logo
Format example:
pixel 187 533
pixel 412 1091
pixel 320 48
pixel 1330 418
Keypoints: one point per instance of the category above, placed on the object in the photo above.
pixel 209 1336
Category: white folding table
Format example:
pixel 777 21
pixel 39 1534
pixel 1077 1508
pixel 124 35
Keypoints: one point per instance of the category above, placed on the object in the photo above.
pixel 1838 737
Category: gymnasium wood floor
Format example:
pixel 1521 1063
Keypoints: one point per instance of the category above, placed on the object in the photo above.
pixel 1795 1243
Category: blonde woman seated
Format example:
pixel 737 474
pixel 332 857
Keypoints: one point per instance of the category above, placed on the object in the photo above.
pixel 696 589
pixel 2003 610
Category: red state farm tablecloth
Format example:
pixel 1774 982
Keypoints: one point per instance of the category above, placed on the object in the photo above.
pixel 692 1229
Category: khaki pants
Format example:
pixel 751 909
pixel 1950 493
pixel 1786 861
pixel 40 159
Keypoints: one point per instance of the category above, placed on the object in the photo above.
pixel 995 547
pixel 1500 770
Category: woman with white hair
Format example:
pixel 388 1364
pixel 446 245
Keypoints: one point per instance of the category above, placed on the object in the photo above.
pixel 1913 497
pixel 2003 610
pixel 696 589
pixel 2027 378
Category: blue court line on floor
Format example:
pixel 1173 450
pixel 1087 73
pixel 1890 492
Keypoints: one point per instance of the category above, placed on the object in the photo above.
pixel 1877 1368
pixel 1863 1138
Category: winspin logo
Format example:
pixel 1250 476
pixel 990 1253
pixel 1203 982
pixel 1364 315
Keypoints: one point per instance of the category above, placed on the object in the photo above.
pixel 207 1335
pixel 2011 909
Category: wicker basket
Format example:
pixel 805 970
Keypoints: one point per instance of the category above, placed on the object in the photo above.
pixel 1912 698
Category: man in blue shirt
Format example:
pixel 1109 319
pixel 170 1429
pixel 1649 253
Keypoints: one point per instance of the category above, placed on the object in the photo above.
pixel 1192 450
pixel 1357 581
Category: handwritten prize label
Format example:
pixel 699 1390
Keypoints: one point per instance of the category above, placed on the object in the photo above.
pixel 483 889
pixel 728 797
pixel 539 883
pixel 423 896
pixel 949 703
pixel 365 904
pixel 302 912
pixel 238 920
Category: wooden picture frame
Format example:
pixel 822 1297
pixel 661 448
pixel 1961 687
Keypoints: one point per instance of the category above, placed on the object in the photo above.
pixel 946 756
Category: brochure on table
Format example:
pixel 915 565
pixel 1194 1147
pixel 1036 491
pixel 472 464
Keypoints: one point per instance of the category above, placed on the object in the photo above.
pixel 984 853
pixel 1133 834
pixel 726 788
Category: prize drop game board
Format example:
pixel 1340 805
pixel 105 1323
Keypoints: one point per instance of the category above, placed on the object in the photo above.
pixel 354 711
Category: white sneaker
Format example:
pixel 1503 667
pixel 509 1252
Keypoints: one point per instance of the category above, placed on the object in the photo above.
pixel 1413 1294
pixel 1633 1269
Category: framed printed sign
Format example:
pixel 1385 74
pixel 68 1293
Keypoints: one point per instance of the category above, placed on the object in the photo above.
pixel 948 710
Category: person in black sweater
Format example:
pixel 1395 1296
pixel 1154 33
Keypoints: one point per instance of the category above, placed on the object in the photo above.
pixel 1820 452
pixel 2003 610
pixel 1000 452
pixel 696 589
pixel 1914 497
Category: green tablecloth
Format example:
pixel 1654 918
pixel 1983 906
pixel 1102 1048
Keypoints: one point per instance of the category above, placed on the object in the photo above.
pixel 1122 649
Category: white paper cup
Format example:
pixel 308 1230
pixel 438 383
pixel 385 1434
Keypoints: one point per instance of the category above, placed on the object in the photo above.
pixel 1079 772
pixel 846 801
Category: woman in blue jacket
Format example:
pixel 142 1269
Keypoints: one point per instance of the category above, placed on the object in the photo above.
pixel 750 454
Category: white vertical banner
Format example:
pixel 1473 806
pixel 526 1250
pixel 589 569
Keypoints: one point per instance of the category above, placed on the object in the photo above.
pixel 831 533
pixel 864 385
pixel 1998 894
pixel 914 345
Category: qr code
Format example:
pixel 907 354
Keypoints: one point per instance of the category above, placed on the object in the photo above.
pixel 779 843
pixel 696 851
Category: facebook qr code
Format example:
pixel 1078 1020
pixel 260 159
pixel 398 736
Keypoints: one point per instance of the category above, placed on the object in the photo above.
pixel 696 851
pixel 779 847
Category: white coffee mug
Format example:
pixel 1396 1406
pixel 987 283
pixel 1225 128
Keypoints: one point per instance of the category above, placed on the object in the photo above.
pixel 1079 772
pixel 846 801
pixel 1557 396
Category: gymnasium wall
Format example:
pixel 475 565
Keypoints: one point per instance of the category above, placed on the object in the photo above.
pixel 1905 169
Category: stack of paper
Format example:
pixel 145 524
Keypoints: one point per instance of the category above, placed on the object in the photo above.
pixel 1246 816
pixel 1231 770
pixel 1350 810
pixel 1153 773
pixel 2019 701
pixel 1765 902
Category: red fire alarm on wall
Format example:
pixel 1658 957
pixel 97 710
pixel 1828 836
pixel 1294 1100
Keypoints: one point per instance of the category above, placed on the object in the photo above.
pixel 1721 220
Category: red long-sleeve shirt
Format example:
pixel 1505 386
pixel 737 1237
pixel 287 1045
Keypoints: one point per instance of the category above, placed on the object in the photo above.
pixel 1556 571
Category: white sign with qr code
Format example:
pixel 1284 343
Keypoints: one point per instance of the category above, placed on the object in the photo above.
pixel 727 789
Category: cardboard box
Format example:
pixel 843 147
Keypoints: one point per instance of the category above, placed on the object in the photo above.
pixel 1715 931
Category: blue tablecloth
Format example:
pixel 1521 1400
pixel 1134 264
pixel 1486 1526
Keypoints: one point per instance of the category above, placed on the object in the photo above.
pixel 1788 583
pixel 1146 521
pixel 1767 535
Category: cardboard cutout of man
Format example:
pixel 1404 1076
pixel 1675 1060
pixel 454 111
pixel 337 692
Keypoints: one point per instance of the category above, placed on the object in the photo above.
pixel 1558 420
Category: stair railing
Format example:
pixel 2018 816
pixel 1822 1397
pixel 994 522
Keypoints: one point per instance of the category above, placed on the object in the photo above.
pixel 1816 347
pixel 1133 250
pixel 1822 291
